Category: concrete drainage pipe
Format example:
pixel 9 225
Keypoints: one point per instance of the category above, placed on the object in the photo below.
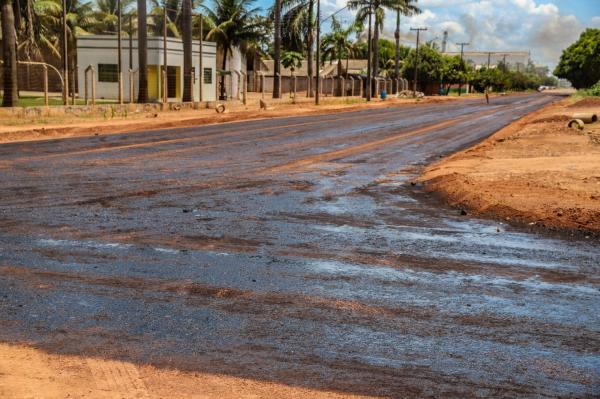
pixel 586 117
pixel 576 124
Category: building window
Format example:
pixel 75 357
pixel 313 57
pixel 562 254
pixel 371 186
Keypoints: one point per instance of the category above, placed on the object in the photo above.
pixel 108 73
pixel 208 75
pixel 172 81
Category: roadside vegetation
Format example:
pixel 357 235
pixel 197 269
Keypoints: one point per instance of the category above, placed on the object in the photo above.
pixel 580 62
pixel 287 28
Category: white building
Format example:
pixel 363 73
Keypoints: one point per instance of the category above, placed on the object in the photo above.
pixel 100 52
pixel 516 60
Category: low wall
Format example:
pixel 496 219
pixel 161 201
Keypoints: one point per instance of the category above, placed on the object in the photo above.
pixel 106 110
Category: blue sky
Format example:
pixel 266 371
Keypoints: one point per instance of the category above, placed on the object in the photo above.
pixel 544 27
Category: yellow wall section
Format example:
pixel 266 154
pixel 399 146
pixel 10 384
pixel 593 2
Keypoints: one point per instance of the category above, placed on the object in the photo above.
pixel 152 82
pixel 178 85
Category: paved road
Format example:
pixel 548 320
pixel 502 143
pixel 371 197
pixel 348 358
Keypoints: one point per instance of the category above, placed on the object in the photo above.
pixel 294 250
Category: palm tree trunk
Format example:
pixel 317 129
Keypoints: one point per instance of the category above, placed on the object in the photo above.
pixel 376 50
pixel 142 53
pixel 223 94
pixel 277 49
pixel 397 54
pixel 339 75
pixel 9 51
pixel 309 47
pixel 188 96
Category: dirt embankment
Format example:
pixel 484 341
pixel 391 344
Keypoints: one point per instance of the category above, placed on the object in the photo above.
pixel 536 172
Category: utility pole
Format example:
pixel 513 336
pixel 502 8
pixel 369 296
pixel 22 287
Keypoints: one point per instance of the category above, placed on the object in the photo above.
pixel 318 63
pixel 462 52
pixel 489 59
pixel 418 30
pixel 369 51
pixel 65 51
pixel 164 77
pixel 119 57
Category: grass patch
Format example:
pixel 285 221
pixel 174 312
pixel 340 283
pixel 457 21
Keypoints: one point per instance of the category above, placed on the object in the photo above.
pixel 36 101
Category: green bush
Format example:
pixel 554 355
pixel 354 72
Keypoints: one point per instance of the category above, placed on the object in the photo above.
pixel 594 90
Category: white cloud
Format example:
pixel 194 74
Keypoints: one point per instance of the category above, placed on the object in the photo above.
pixel 489 25
pixel 499 25
pixel 596 21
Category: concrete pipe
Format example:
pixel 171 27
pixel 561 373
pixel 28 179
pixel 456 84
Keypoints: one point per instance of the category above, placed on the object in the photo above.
pixel 586 117
pixel 575 124
pixel 220 108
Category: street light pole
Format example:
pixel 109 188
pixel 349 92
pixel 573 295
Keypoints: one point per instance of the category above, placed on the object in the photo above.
pixel 462 51
pixel 418 30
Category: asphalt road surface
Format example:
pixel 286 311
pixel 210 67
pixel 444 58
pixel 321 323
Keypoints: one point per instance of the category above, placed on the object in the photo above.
pixel 294 250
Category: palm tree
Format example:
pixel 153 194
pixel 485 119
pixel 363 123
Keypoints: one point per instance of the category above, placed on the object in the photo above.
pixel 142 53
pixel 277 49
pixel 174 17
pixel 337 45
pixel 376 7
pixel 79 22
pixel 186 22
pixel 292 60
pixel 39 32
pixel 298 28
pixel 106 15
pixel 9 51
pixel 232 23
pixel 405 7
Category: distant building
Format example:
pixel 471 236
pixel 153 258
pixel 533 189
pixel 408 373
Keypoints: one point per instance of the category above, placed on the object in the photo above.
pixel 100 52
pixel 515 60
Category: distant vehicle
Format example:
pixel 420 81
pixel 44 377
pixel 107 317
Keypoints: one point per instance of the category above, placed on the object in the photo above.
pixel 542 88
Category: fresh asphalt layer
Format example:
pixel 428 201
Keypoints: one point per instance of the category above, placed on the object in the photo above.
pixel 294 250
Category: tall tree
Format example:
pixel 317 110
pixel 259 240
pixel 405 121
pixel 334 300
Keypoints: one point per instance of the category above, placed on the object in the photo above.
pixel 298 31
pixel 232 23
pixel 377 8
pixel 186 23
pixel 174 17
pixel 277 49
pixel 106 15
pixel 142 52
pixel 39 31
pixel 9 51
pixel 580 62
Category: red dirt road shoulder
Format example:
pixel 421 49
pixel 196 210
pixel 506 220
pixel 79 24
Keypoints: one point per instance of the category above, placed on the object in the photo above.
pixel 535 171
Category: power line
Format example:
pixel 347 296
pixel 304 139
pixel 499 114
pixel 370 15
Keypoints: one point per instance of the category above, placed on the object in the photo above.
pixel 418 30
pixel 334 14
